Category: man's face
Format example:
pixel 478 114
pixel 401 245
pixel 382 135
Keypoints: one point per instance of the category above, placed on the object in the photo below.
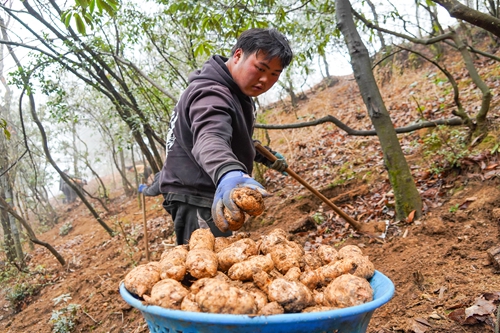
pixel 253 73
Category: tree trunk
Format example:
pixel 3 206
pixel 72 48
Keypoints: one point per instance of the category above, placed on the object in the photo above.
pixel 31 233
pixel 375 19
pixel 22 213
pixel 476 78
pixel 12 242
pixel 8 242
pixel 475 17
pixel 13 226
pixel 127 187
pixel 61 173
pixel 46 150
pixel 405 192
pixel 76 170
pixel 417 18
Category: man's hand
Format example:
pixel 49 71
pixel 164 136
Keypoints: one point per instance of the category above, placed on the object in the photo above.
pixel 280 164
pixel 142 187
pixel 222 198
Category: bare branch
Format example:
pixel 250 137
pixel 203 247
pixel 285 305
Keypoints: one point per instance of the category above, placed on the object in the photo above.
pixel 428 41
pixel 354 132
pixel 456 94
pixel 144 75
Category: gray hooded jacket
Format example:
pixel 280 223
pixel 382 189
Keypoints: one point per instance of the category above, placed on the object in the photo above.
pixel 210 134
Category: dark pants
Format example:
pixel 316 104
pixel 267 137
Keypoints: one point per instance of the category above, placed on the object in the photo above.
pixel 187 218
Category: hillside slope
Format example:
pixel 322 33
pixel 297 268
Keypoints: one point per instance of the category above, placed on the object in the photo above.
pixel 438 264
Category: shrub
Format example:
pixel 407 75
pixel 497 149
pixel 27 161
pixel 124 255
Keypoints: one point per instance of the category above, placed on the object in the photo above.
pixel 19 293
pixel 65 228
pixel 64 320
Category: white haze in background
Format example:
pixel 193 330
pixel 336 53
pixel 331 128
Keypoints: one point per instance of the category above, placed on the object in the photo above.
pixel 338 62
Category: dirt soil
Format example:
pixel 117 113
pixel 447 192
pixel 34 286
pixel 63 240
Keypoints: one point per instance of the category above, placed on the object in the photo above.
pixel 443 276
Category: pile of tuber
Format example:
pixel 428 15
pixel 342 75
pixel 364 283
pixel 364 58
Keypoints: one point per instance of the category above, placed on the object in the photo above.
pixel 268 276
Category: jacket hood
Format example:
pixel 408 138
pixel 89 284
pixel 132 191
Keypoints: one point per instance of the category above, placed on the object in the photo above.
pixel 215 69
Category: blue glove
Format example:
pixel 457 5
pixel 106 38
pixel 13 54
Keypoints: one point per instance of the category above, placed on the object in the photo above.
pixel 142 187
pixel 222 198
pixel 280 164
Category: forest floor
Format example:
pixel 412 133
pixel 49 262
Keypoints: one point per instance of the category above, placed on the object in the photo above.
pixel 439 264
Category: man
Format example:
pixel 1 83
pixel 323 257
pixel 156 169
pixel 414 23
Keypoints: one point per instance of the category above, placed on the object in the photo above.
pixel 70 194
pixel 210 150
pixel 142 171
pixel 64 188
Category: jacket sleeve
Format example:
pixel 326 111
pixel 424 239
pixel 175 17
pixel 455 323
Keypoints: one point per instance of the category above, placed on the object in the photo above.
pixel 154 188
pixel 211 123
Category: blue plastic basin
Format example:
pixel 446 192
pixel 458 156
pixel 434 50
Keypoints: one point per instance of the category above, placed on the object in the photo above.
pixel 348 320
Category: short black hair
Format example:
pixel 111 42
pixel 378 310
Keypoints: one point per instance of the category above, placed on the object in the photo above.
pixel 270 42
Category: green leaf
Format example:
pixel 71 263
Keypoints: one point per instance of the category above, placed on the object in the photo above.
pixel 114 4
pixel 3 124
pixel 198 49
pixel 67 20
pixel 99 5
pixel 495 149
pixel 89 20
pixel 108 8
pixel 84 4
pixel 91 6
pixel 80 26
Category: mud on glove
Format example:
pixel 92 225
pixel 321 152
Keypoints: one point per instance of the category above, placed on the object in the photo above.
pixel 222 198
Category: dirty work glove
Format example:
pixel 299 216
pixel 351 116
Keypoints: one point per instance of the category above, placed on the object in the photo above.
pixel 280 164
pixel 222 198
pixel 142 187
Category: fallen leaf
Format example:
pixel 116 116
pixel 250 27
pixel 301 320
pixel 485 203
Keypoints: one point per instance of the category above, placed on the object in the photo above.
pixel 466 203
pixel 494 296
pixel 459 316
pixel 481 307
pixel 430 193
pixel 491 166
pixel 423 321
pixel 491 174
pixel 411 216
pixel 442 290
pixel 456 306
pixel 435 316
pixel 418 327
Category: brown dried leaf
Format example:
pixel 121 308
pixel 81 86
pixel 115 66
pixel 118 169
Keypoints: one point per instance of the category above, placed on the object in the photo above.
pixel 459 316
pixel 480 307
pixel 411 216
pixel 423 321
pixel 418 327
pixel 491 174
pixel 494 296
pixel 467 202
pixel 491 166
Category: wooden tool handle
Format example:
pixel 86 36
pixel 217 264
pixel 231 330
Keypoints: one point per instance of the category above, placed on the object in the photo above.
pixel 355 224
pixel 145 224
